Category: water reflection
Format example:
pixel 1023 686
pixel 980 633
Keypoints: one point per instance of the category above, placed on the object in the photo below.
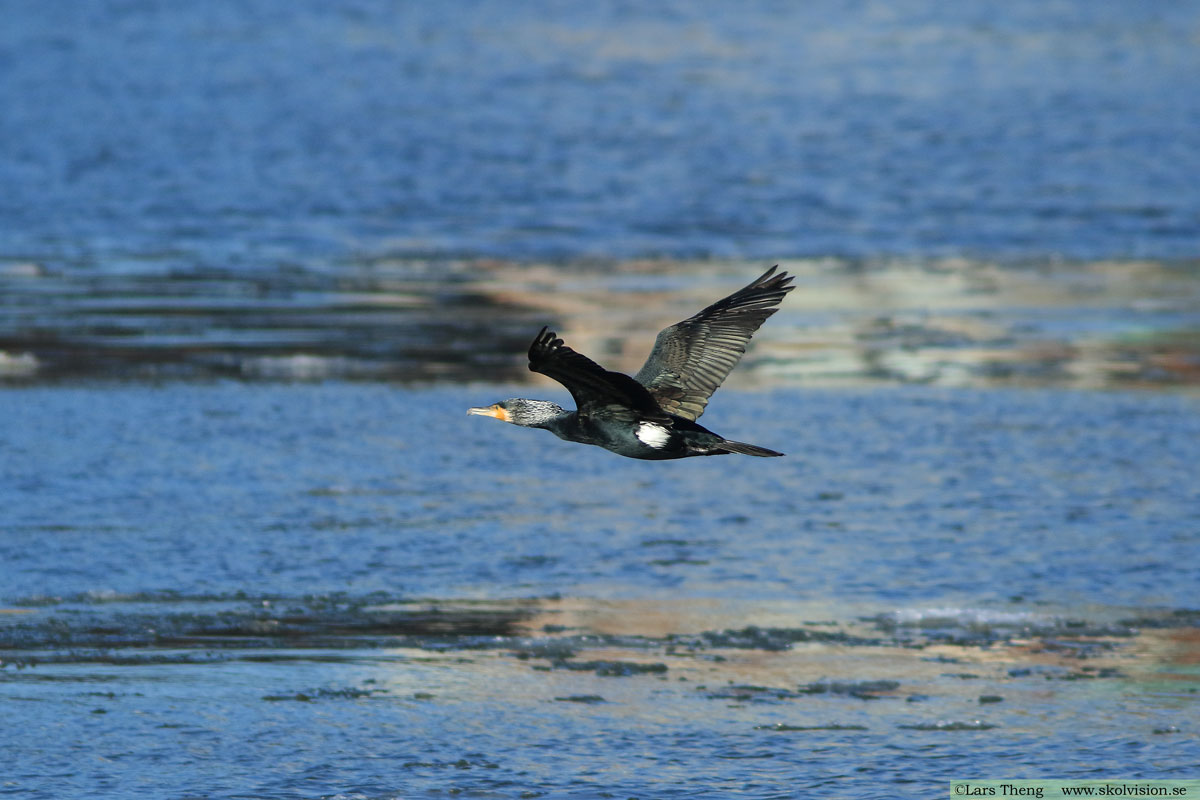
pixel 950 322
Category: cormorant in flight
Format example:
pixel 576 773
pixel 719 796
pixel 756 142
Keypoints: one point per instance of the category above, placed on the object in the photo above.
pixel 653 414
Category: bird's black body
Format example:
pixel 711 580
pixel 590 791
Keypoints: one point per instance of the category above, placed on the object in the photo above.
pixel 652 415
pixel 633 435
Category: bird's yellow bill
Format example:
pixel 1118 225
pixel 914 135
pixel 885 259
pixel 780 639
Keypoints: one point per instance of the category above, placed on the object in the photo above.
pixel 490 411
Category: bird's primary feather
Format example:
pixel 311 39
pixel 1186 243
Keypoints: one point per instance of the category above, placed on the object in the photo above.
pixel 692 358
pixel 591 385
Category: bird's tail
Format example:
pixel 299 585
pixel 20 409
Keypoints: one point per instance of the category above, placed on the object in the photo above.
pixel 745 449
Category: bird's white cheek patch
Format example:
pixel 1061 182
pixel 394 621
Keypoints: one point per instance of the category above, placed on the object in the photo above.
pixel 653 435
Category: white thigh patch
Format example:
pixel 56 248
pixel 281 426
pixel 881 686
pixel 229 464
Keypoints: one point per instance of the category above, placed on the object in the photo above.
pixel 653 434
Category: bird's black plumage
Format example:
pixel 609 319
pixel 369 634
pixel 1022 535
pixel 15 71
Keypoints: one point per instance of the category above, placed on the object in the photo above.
pixel 653 414
pixel 692 358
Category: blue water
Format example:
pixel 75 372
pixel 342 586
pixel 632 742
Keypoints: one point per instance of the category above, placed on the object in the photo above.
pixel 354 590
pixel 257 259
pixel 928 497
pixel 268 135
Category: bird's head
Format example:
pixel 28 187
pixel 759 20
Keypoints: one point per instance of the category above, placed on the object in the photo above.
pixel 519 411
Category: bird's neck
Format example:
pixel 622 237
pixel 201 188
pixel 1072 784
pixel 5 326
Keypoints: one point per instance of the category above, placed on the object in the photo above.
pixel 544 414
pixel 563 425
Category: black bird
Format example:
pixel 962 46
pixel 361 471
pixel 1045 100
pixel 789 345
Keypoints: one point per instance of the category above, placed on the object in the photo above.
pixel 653 414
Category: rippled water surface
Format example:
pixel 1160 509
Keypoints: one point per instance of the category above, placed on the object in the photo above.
pixel 352 589
pixel 258 258
pixel 167 137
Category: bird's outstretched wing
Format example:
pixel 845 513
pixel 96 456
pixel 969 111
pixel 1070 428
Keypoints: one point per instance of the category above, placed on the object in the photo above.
pixel 692 358
pixel 593 387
